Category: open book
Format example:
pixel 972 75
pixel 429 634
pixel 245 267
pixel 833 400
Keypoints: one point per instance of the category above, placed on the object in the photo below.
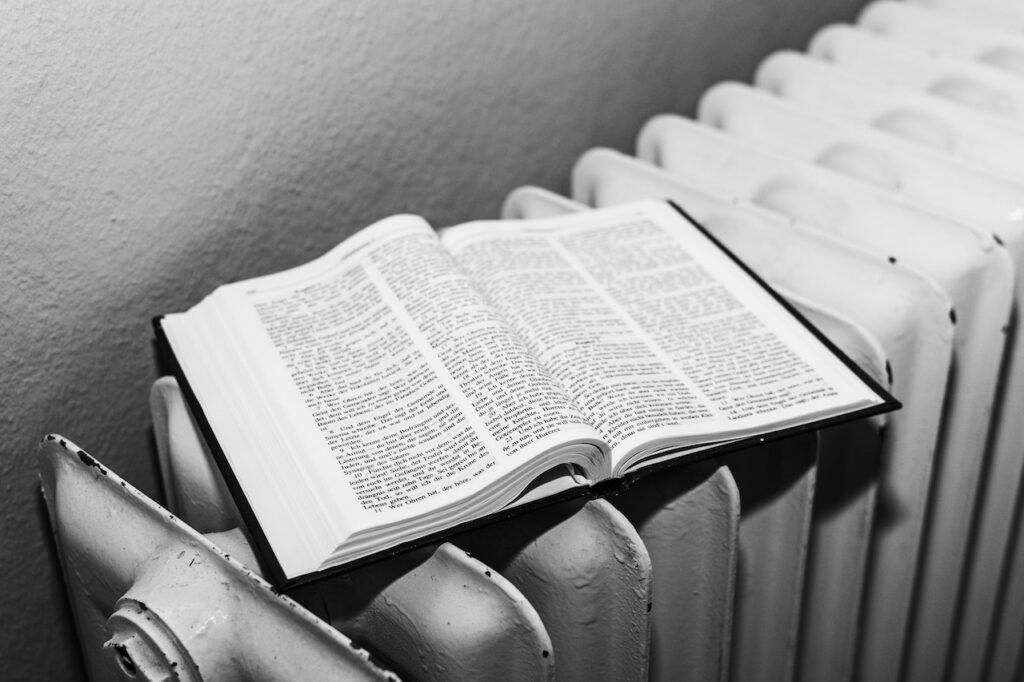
pixel 408 382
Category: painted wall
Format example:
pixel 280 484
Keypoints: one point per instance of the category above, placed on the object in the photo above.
pixel 150 151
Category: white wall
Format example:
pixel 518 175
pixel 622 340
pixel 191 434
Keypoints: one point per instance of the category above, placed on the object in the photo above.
pixel 150 151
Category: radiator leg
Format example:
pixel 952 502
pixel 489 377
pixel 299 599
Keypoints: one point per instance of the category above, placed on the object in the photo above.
pixel 193 486
pixel 588 574
pixel 689 520
pixel 438 615
pixel 776 484
pixel 997 510
pixel 1006 648
pixel 844 504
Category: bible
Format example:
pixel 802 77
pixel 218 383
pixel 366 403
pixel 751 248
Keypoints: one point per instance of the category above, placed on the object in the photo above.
pixel 410 381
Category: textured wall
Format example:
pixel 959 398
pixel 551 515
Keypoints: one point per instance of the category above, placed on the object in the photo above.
pixel 152 151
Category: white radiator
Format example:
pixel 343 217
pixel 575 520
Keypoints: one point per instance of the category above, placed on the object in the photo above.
pixel 878 183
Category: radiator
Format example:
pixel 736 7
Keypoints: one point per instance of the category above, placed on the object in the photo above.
pixel 876 181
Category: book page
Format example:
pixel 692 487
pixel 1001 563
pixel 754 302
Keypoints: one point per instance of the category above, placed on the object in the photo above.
pixel 653 330
pixel 410 385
